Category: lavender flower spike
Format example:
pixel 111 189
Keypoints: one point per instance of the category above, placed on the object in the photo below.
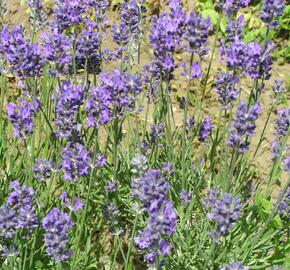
pixel 56 225
pixel 271 10
pixel 235 266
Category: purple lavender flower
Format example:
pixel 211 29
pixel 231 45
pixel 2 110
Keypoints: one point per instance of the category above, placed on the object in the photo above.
pixel 69 12
pixel 232 6
pixel 258 61
pixel 139 164
pixel 151 188
pixel 129 26
pixel 157 131
pixel 284 206
pixel 37 15
pixel 24 58
pixel 234 266
pixel 286 164
pixel 234 29
pixel 21 116
pixel 282 123
pixel 18 212
pixel 112 215
pixel 74 206
pixel 226 88
pixel 75 162
pixel 111 186
pixel 42 169
pixel 101 8
pixel 162 222
pixel 278 91
pixel 115 95
pixel 101 161
pixel 185 197
pixel 165 37
pixel 10 251
pixel 271 10
pixel 244 125
pixel 69 99
pixel 56 225
pixel 167 168
pixel 56 48
pixel 224 211
pixel 87 47
pixel 196 34
pixel 195 71
pixel 205 129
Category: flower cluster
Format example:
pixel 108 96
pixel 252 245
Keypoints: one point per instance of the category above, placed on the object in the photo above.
pixel 129 26
pixel 244 125
pixel 68 13
pixel 139 164
pixel 56 225
pixel 42 169
pixel 37 15
pixel 234 29
pixel 284 206
pixel 282 123
pixel 166 35
pixel 152 189
pixel 271 10
pixel 205 129
pixel 226 87
pixel 224 211
pixel 18 213
pixel 21 116
pixel 69 99
pixel 87 47
pixel 115 95
pixel 75 161
pixel 25 59
pixel 56 49
pixel 196 34
pixel 74 206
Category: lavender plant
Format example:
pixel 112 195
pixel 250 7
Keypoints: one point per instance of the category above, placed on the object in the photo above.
pixel 112 173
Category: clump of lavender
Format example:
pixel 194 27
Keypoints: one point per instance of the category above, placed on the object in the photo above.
pixel 226 87
pixel 42 169
pixel 87 48
pixel 196 34
pixel 69 99
pixel 18 212
pixel 244 126
pixel 75 162
pixel 115 95
pixel 139 164
pixel 56 49
pixel 205 129
pixel 271 10
pixel 24 58
pixel 21 114
pixel 224 211
pixel 56 225
pixel 234 266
